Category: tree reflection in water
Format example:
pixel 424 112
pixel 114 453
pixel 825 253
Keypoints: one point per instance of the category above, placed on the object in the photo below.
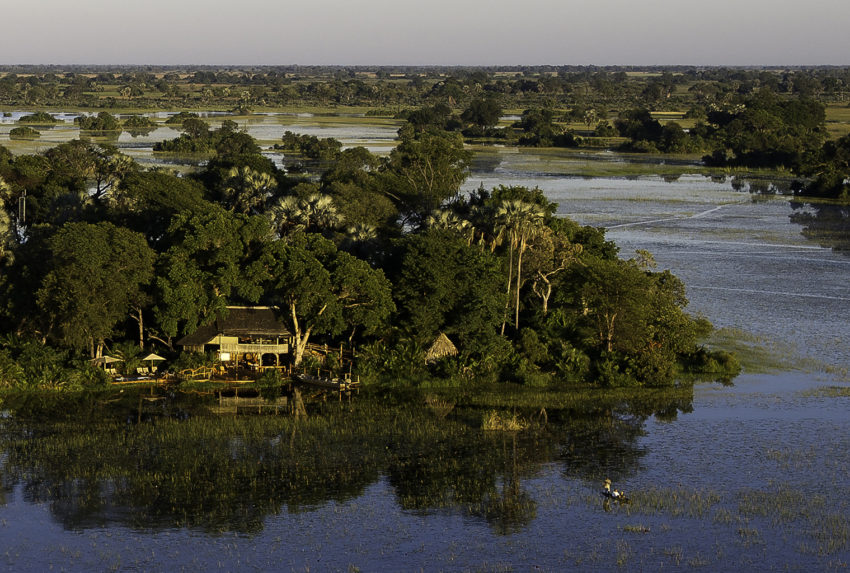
pixel 165 462
pixel 826 223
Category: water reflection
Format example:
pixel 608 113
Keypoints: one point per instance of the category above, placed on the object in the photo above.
pixel 765 187
pixel 157 462
pixel 826 223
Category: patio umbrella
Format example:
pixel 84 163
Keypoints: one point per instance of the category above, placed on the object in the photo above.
pixel 152 358
pixel 105 360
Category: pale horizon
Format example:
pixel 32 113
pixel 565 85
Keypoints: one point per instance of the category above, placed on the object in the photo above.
pixel 753 33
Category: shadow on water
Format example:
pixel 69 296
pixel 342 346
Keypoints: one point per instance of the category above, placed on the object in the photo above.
pixel 162 461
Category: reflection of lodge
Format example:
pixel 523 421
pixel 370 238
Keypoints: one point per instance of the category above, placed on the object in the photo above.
pixel 247 336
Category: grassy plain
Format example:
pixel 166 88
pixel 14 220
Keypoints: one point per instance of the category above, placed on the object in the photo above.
pixel 838 119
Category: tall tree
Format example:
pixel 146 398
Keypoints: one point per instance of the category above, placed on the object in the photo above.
pixel 322 290
pixel 521 221
pixel 426 168
pixel 212 259
pixel 444 285
pixel 98 273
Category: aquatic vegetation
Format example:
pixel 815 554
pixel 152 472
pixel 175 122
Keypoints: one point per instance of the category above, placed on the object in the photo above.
pixel 504 422
pixel 755 353
pixel 828 392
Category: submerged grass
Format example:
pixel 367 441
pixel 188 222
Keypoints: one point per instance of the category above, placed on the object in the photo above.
pixel 506 396
pixel 675 502
pixel 757 354
pixel 828 392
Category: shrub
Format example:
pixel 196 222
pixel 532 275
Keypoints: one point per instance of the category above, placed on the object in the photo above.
pixel 38 117
pixel 23 133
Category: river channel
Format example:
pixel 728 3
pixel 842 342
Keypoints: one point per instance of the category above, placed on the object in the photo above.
pixel 749 476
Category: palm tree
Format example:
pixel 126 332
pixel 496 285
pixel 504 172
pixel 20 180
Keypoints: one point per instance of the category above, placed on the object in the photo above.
pixel 285 215
pixel 319 211
pixel 520 220
pixel 315 213
pixel 246 190
pixel 449 220
pixel 361 232
pixel 361 240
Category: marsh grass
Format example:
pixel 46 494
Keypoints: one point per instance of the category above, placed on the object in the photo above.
pixel 827 392
pixel 675 553
pixel 698 561
pixel 439 406
pixel 624 553
pixel 757 354
pixel 504 422
pixel 782 504
pixel 571 397
pixel 675 502
pixel 637 528
pixel 827 526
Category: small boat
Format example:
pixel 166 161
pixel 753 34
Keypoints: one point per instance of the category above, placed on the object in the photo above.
pixel 613 493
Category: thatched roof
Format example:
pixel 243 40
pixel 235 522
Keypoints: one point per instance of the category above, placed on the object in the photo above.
pixel 240 321
pixel 441 348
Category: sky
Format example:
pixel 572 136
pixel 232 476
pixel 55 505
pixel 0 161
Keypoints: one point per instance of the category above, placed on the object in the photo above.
pixel 434 32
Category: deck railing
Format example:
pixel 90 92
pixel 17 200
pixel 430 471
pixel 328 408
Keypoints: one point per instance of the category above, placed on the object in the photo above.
pixel 242 348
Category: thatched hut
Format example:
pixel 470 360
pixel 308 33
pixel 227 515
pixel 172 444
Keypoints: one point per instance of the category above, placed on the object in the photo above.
pixel 441 348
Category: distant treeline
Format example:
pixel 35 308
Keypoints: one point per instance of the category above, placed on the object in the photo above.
pixel 659 88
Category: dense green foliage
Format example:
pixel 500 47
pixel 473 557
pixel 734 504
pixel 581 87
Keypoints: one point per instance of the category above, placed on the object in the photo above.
pixel 23 132
pixel 380 253
pixel 103 121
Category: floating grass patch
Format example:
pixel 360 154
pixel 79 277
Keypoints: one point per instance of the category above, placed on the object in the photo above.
pixel 831 534
pixel 698 561
pixel 827 392
pixel 501 421
pixel 675 553
pixel 675 502
pixel 723 515
pixel 782 504
pixel 624 553
pixel 637 528
pixel 750 535
pixel 794 459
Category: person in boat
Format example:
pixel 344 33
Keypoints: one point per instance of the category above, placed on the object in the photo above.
pixel 612 493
